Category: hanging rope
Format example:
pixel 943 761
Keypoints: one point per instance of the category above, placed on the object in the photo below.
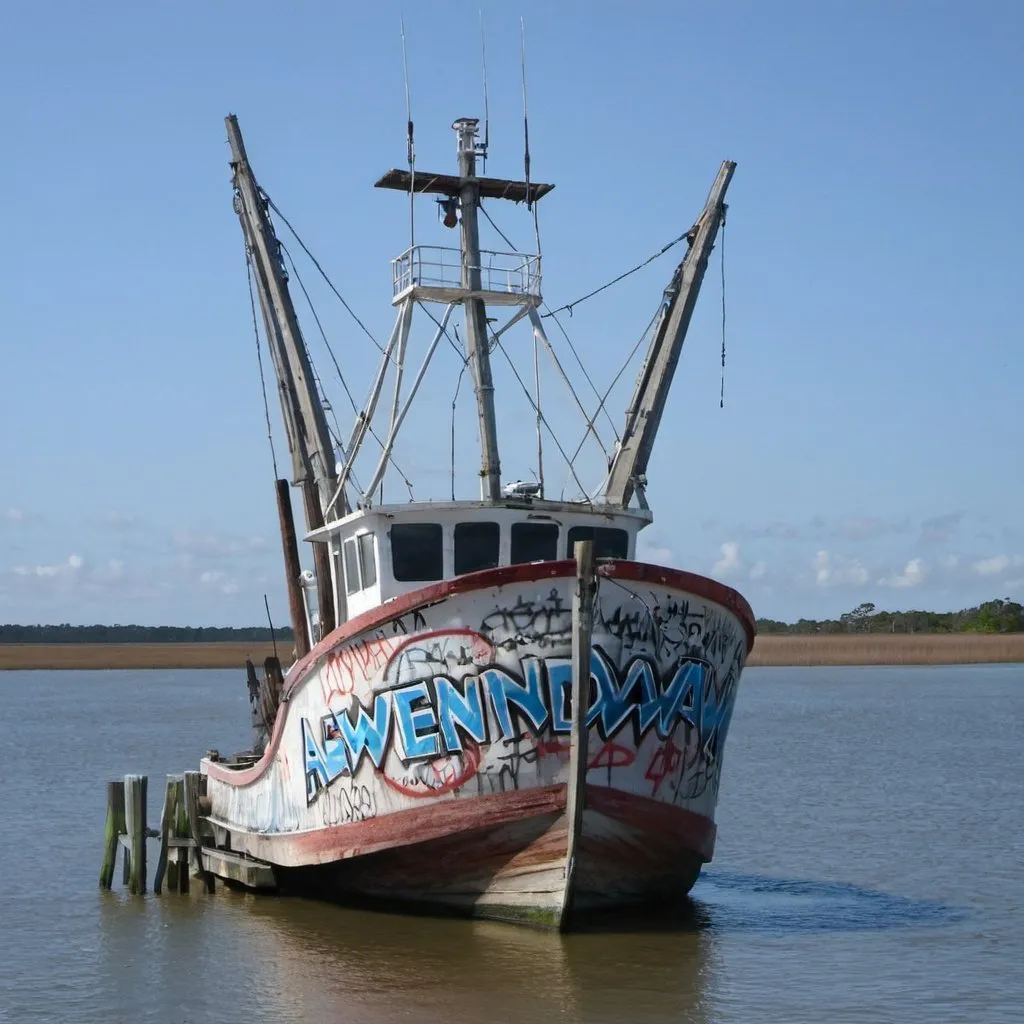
pixel 455 399
pixel 650 259
pixel 259 358
pixel 721 396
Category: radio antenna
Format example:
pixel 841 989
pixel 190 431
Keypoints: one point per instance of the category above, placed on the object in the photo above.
pixel 410 146
pixel 526 118
pixel 487 120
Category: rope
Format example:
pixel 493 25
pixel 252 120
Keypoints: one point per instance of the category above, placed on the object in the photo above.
pixel 259 358
pixel 650 259
pixel 721 396
pixel 323 273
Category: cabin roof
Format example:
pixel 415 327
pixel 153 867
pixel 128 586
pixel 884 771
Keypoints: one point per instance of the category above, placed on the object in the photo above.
pixel 448 509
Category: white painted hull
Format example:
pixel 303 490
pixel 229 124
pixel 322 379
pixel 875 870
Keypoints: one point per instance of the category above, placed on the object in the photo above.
pixel 421 752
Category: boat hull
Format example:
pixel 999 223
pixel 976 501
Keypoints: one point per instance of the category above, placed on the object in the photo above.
pixel 421 752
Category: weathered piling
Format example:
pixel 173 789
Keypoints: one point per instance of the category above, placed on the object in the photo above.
pixel 135 787
pixel 193 793
pixel 113 831
pixel 167 862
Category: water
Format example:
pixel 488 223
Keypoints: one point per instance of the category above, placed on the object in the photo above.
pixel 870 867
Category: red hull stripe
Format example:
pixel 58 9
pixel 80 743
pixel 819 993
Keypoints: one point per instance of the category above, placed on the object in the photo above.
pixel 690 831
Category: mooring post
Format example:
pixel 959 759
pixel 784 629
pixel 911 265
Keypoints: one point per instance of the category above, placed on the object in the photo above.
pixel 582 637
pixel 112 832
pixel 193 788
pixel 135 787
pixel 167 862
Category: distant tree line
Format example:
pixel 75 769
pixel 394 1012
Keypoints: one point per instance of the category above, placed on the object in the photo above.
pixel 999 616
pixel 66 634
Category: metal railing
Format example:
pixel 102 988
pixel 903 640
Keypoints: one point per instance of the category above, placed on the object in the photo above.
pixel 435 266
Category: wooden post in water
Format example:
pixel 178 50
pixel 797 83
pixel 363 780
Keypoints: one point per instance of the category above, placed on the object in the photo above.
pixel 113 831
pixel 167 862
pixel 135 787
pixel 193 784
pixel 582 634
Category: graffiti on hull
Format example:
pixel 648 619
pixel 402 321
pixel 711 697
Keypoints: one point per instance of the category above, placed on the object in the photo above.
pixel 434 716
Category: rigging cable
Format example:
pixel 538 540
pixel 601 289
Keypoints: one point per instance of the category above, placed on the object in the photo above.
pixel 337 368
pixel 554 437
pixel 259 357
pixel 572 348
pixel 323 273
pixel 721 397
pixel 455 398
pixel 650 259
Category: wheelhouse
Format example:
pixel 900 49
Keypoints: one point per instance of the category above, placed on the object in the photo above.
pixel 381 553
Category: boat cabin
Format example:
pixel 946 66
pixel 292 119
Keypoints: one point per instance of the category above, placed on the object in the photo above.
pixel 381 553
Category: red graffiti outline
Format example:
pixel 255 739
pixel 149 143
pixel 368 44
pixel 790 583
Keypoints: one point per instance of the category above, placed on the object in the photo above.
pixel 470 765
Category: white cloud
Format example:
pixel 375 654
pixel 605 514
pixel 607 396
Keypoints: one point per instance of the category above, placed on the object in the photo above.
pixel 913 575
pixel 758 571
pixel 993 566
pixel 72 565
pixel 15 515
pixel 730 561
pixel 832 572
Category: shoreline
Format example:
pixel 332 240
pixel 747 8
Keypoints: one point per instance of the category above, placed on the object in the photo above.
pixel 769 651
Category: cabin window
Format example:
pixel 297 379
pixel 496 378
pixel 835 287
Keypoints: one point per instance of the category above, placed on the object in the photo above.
pixel 608 543
pixel 360 563
pixel 476 546
pixel 416 552
pixel 534 542
pixel 351 567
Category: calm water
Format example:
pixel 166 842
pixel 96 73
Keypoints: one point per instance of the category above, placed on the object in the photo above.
pixel 870 867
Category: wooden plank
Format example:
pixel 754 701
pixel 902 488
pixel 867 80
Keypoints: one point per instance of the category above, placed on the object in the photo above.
pixel 254 874
pixel 112 830
pixel 582 632
pixel 192 787
pixel 168 817
pixel 135 787
pixel 451 185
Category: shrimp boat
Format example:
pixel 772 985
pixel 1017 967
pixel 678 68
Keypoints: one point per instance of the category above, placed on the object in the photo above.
pixel 494 708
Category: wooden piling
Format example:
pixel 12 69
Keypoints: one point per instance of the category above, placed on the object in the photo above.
pixel 167 862
pixel 582 634
pixel 113 830
pixel 135 787
pixel 193 793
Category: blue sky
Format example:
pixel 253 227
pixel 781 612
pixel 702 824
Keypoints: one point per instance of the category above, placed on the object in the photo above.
pixel 869 448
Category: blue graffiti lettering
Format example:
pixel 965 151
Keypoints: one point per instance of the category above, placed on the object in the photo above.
pixel 414 713
pixel 460 713
pixel 503 690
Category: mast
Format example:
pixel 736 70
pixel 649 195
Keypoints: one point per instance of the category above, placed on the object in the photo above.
pixel 510 279
pixel 476 312
pixel 313 464
pixel 628 467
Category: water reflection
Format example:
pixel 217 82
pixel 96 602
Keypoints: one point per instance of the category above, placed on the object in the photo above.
pixel 730 902
pixel 353 965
